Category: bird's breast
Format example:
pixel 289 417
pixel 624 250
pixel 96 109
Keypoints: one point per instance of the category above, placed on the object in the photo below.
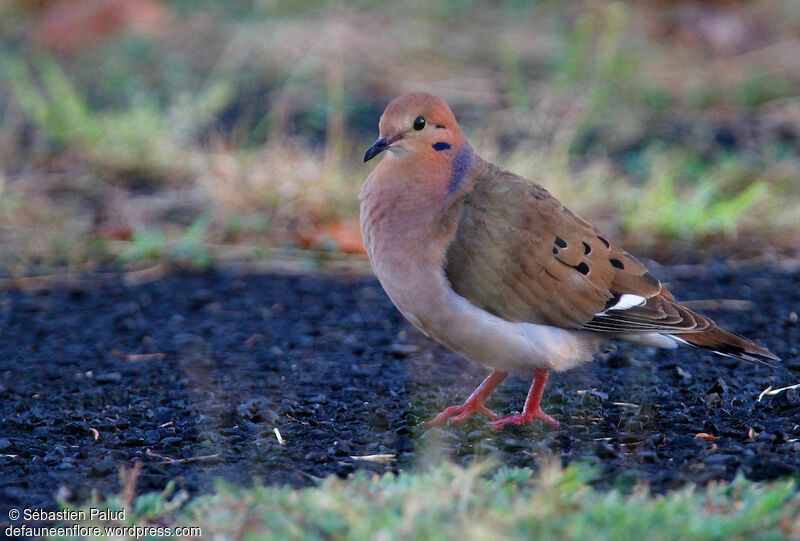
pixel 406 236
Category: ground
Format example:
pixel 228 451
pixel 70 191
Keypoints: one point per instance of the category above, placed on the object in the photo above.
pixel 194 375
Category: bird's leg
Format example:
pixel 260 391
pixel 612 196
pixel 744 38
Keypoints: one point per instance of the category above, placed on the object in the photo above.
pixel 532 409
pixel 474 403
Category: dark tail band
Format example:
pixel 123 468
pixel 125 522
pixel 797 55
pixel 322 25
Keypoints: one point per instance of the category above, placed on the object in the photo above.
pixel 730 344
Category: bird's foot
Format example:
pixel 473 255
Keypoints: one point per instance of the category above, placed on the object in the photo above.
pixel 459 414
pixel 524 418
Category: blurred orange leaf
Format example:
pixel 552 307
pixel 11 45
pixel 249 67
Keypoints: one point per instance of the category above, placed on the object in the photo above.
pixel 70 25
pixel 345 235
pixel 115 232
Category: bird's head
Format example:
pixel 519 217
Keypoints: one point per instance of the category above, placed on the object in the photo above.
pixel 419 125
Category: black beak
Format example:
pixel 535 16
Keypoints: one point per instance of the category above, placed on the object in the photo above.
pixel 379 146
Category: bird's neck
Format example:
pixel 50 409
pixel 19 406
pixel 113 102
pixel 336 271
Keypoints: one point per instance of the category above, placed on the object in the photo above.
pixel 409 216
pixel 408 200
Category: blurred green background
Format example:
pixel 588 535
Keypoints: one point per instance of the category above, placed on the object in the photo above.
pixel 196 132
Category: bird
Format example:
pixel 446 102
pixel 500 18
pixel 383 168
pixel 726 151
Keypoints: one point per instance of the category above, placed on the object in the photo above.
pixel 496 269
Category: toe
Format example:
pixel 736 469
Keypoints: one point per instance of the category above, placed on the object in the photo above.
pixel 489 413
pixel 445 415
pixel 524 419
pixel 467 412
pixel 498 424
pixel 459 414
pixel 549 420
pixel 460 418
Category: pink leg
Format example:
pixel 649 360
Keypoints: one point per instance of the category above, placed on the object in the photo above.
pixel 474 403
pixel 532 410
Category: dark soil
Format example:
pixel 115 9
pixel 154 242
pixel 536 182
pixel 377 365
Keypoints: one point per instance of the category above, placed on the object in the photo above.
pixel 332 365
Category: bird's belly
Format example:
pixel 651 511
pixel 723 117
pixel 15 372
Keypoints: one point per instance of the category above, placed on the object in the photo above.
pixel 511 347
pixel 453 321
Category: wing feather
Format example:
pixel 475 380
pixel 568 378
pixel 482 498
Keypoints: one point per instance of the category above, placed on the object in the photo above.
pixel 523 256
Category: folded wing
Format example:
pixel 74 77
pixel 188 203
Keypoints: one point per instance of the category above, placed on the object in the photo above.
pixel 522 256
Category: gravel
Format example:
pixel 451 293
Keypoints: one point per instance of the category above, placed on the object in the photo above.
pixel 289 379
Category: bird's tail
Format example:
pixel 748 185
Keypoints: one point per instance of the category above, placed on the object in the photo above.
pixel 730 344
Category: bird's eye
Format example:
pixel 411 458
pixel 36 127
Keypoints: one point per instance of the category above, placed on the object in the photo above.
pixel 419 123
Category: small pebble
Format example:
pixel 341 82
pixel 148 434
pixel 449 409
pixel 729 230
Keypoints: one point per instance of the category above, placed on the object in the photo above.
pixel 172 440
pixel 317 457
pixel 108 377
pixel 618 360
pixel 713 400
pixel 605 450
pixel 632 425
pixel 683 374
pixel 102 468
pixel 788 399
pixel 720 387
pixel 403 350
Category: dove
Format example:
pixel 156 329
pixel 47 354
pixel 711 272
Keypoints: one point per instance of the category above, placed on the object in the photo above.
pixel 493 267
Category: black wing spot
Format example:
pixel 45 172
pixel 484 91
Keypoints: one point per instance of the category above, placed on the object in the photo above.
pixel 582 268
pixel 604 241
pixel 586 249
pixel 615 297
pixel 555 250
pixel 560 242
pixel 616 263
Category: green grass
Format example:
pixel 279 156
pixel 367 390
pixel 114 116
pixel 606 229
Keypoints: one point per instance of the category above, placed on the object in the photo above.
pixel 699 206
pixel 142 137
pixel 479 502
pixel 256 115
pixel 190 251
